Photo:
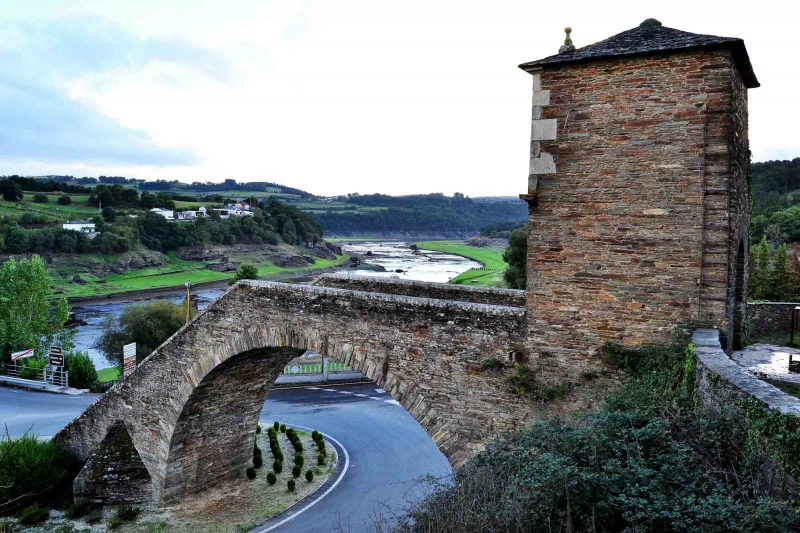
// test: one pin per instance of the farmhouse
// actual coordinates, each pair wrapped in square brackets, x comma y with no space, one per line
[169,214]
[83,226]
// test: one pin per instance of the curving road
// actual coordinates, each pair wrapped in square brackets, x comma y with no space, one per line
[388,451]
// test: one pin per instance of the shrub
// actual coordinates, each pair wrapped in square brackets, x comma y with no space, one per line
[95,517]
[296,471]
[277,466]
[323,452]
[298,460]
[309,475]
[290,485]
[40,198]
[272,478]
[36,467]
[258,429]
[79,509]
[298,446]
[126,513]
[283,428]
[82,373]
[491,363]
[320,445]
[278,455]
[7,526]
[32,368]
[251,473]
[33,514]
[276,426]
[258,459]
[320,459]
[64,200]
[315,435]
[114,523]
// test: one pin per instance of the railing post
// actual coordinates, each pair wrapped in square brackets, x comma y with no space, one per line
[324,368]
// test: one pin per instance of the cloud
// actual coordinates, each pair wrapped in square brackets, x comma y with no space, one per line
[40,120]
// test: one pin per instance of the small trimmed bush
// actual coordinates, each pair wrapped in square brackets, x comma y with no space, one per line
[33,514]
[298,446]
[276,426]
[290,485]
[40,198]
[315,435]
[258,459]
[320,459]
[272,478]
[298,460]
[296,471]
[278,455]
[277,466]
[251,473]
[95,517]
[309,475]
[64,200]
[126,513]
[258,429]
[321,445]
[283,428]
[323,452]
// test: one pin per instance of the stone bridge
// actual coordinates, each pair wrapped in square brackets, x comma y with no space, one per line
[185,420]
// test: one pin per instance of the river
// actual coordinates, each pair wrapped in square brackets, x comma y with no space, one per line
[384,259]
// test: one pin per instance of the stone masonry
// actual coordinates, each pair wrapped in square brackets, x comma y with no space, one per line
[637,191]
[191,407]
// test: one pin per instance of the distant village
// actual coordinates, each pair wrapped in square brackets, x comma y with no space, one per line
[235,209]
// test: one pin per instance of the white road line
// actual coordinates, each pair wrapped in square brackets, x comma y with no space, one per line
[330,489]
[344,392]
[361,395]
[380,391]
[393,402]
[312,388]
[374,398]
[330,390]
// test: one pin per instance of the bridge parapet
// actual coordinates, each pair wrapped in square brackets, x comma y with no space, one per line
[440,291]
[191,406]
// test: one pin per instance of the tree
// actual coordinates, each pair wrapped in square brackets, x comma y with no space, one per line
[26,320]
[148,325]
[10,190]
[516,256]
[109,214]
[246,271]
[40,198]
[64,200]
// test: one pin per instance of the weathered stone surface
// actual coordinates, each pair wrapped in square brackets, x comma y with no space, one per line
[765,318]
[192,405]
[638,230]
[440,291]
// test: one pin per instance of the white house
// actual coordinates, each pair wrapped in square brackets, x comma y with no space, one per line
[232,211]
[191,215]
[83,226]
[166,213]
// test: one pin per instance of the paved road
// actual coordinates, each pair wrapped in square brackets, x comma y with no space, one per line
[388,450]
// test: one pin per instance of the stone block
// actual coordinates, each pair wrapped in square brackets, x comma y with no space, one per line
[544,130]
[544,164]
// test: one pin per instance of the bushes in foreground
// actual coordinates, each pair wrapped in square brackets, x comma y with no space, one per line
[650,460]
[34,471]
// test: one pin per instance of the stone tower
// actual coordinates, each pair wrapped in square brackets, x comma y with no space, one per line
[638,191]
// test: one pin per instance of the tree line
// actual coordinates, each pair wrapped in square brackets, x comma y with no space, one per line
[272,223]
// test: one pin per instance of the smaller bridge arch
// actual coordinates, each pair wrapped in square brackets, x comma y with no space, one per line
[191,407]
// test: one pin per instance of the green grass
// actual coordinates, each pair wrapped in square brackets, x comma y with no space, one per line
[109,374]
[491,258]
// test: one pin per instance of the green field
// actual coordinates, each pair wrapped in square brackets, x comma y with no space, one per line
[492,258]
[109,374]
[173,274]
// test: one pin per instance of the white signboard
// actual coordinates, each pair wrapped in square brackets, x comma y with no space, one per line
[129,359]
[56,356]
[16,356]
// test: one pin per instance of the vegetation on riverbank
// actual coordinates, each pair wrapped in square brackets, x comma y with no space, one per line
[650,460]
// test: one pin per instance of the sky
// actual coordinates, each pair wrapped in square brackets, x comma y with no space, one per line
[329,96]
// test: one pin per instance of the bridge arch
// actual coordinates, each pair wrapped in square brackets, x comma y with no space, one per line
[191,407]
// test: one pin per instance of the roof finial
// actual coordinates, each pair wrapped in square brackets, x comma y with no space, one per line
[567,46]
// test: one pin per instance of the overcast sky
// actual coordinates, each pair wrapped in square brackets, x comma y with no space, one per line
[331,96]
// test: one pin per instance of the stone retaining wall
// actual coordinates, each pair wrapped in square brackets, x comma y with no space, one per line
[419,289]
[765,318]
[719,378]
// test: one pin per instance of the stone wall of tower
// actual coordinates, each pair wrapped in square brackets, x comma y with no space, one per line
[630,231]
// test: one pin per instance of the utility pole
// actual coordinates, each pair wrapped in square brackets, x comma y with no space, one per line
[188,300]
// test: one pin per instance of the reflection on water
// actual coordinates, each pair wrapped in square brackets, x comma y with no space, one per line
[391,256]
[420,266]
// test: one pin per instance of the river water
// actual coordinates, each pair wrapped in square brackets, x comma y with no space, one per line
[384,259]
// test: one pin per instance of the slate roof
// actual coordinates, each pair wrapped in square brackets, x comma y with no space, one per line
[652,37]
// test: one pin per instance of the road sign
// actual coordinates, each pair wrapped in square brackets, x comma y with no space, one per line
[129,359]
[56,356]
[16,356]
